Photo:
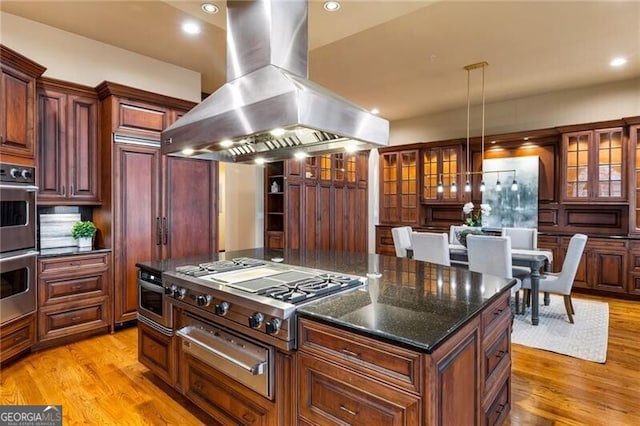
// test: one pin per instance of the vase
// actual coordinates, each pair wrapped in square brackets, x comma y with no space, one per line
[85,243]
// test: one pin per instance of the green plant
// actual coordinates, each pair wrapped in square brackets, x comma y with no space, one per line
[462,235]
[83,229]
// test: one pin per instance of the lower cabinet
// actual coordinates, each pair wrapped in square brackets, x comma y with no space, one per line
[73,297]
[157,352]
[17,336]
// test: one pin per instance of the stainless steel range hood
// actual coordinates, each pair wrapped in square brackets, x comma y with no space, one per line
[267,89]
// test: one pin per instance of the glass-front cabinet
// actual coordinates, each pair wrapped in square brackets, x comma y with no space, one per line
[441,168]
[399,182]
[594,168]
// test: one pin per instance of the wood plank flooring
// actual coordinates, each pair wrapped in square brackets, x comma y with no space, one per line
[99,381]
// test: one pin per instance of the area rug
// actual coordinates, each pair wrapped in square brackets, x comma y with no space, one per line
[585,339]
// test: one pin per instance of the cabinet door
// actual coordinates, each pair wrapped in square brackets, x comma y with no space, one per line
[634,195]
[52,146]
[82,137]
[137,227]
[441,166]
[608,265]
[389,207]
[408,187]
[157,352]
[310,224]
[189,221]
[17,94]
[577,153]
[295,222]
[399,196]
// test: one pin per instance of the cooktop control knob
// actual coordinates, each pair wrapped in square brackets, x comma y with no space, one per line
[14,173]
[180,293]
[273,326]
[255,320]
[168,290]
[204,300]
[26,174]
[222,308]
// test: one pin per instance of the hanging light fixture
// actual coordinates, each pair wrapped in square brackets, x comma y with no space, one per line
[514,184]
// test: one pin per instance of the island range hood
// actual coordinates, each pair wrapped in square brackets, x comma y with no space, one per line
[268,110]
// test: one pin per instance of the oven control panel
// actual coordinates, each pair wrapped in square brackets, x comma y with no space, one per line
[12,173]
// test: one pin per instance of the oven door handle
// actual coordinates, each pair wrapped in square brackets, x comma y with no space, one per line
[255,370]
[27,188]
[20,256]
[151,287]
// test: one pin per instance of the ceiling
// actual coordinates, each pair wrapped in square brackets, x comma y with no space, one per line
[404,57]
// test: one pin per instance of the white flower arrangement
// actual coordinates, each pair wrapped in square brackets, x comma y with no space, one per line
[475,219]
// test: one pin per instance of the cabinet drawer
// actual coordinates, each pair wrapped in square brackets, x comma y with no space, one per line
[330,394]
[499,407]
[391,364]
[65,265]
[17,336]
[496,351]
[140,117]
[228,402]
[494,313]
[69,289]
[157,352]
[64,320]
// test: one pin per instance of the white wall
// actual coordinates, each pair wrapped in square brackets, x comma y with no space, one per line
[594,103]
[243,207]
[71,57]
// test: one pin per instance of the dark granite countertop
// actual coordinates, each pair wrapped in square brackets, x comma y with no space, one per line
[68,251]
[412,303]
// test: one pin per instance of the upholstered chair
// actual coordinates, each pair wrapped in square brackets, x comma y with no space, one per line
[522,238]
[401,239]
[430,247]
[562,282]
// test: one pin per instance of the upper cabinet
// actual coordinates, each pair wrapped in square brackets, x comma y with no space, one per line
[399,187]
[634,182]
[67,140]
[594,169]
[18,100]
[442,165]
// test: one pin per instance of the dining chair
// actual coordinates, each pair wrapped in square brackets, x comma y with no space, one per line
[562,282]
[492,255]
[401,239]
[431,247]
[522,238]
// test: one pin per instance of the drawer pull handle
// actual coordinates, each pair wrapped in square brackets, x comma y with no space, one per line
[343,408]
[497,312]
[249,417]
[501,354]
[75,318]
[198,386]
[18,339]
[501,408]
[350,353]
[76,287]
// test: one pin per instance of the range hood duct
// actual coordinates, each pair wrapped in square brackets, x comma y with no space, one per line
[267,88]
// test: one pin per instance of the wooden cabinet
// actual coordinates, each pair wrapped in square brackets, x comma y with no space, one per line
[67,140]
[18,107]
[399,187]
[348,378]
[154,206]
[634,181]
[17,336]
[73,297]
[157,351]
[442,166]
[594,169]
[324,203]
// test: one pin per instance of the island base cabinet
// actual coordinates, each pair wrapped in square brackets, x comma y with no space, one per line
[228,402]
[157,352]
[331,395]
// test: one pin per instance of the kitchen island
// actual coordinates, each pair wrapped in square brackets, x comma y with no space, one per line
[418,344]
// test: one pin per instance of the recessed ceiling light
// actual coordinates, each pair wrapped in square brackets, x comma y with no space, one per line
[618,62]
[277,132]
[331,6]
[300,155]
[191,27]
[259,161]
[351,148]
[210,8]
[375,111]
[226,143]
[188,151]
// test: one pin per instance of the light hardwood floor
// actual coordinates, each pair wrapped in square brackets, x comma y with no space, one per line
[99,381]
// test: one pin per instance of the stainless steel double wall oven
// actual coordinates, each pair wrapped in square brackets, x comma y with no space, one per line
[17,241]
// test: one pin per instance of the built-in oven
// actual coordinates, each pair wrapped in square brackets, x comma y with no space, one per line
[17,284]
[154,307]
[17,208]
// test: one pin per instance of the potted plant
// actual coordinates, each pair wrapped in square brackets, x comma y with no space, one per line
[83,231]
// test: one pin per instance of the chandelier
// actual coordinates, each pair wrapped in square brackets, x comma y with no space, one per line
[468,173]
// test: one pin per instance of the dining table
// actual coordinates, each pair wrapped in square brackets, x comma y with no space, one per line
[535,260]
